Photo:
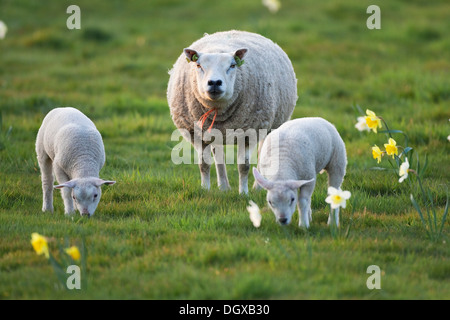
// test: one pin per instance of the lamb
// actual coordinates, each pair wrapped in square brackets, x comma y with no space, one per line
[246,80]
[290,159]
[69,146]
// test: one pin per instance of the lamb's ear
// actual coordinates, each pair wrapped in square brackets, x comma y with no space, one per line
[68,184]
[101,182]
[263,182]
[295,184]
[191,55]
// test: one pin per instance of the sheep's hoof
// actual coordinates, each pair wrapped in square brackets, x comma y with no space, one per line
[224,187]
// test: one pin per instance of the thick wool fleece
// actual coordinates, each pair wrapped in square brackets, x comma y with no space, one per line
[72,142]
[304,147]
[265,91]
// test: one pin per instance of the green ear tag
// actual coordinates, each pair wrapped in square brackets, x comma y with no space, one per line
[239,62]
[194,57]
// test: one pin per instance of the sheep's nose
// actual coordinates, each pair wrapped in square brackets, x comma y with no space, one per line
[215,83]
[283,220]
[85,214]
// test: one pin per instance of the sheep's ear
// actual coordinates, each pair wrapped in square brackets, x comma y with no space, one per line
[263,182]
[240,53]
[239,56]
[68,184]
[100,182]
[295,184]
[191,55]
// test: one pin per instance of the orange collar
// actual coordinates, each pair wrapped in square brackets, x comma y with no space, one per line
[203,118]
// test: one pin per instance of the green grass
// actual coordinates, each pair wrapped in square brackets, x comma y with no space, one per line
[156,234]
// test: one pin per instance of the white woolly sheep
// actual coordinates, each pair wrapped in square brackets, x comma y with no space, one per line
[69,146]
[258,94]
[290,159]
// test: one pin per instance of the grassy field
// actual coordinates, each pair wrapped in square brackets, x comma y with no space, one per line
[156,234]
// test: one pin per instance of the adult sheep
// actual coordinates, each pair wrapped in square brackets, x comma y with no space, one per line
[215,86]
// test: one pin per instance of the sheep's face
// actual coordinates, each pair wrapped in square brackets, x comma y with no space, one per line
[216,73]
[86,193]
[282,200]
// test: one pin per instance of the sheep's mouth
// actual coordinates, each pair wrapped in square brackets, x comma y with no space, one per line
[215,94]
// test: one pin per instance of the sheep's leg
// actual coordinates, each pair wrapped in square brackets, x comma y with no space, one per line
[204,158]
[66,193]
[256,185]
[45,163]
[222,178]
[243,168]
[304,204]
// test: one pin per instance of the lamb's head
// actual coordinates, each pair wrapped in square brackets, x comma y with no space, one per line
[86,193]
[216,73]
[281,196]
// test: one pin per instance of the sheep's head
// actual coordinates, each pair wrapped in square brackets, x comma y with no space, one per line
[86,193]
[216,72]
[282,196]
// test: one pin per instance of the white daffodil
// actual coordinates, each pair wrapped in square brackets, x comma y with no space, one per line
[3,29]
[362,124]
[272,5]
[255,215]
[404,169]
[337,198]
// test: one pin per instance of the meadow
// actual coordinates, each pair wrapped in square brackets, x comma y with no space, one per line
[156,234]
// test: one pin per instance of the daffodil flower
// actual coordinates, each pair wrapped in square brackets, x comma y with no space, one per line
[391,148]
[3,30]
[272,5]
[404,169]
[39,244]
[362,124]
[255,215]
[377,153]
[372,121]
[74,253]
[337,198]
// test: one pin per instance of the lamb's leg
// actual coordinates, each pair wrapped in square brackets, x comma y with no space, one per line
[304,204]
[222,178]
[45,163]
[335,178]
[243,168]
[66,193]
[204,158]
[336,217]
[256,185]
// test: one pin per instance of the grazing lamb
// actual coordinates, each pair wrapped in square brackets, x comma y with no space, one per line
[290,159]
[69,145]
[217,88]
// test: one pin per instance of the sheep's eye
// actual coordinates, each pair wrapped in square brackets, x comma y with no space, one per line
[95,196]
[270,202]
[73,197]
[233,66]
[198,65]
[292,200]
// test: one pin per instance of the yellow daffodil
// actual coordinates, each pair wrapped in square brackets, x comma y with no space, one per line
[372,121]
[39,244]
[391,148]
[337,198]
[404,169]
[74,253]
[377,153]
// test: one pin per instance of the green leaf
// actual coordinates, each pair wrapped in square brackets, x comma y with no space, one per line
[390,131]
